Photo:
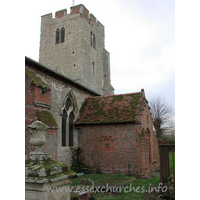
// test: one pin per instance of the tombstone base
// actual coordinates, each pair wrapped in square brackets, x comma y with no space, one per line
[53,189]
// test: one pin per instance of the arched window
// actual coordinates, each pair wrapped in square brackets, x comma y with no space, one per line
[93,67]
[71,129]
[68,117]
[57,35]
[68,103]
[62,35]
[64,126]
[92,40]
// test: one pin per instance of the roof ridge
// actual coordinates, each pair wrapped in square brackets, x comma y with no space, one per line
[96,97]
[38,66]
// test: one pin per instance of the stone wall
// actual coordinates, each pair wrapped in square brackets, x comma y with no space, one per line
[51,101]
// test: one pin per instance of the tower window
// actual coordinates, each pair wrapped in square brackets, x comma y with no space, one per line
[93,68]
[62,34]
[57,36]
[92,40]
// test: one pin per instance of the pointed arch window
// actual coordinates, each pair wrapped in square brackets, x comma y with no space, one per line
[93,68]
[57,35]
[68,118]
[71,129]
[64,126]
[62,34]
[92,40]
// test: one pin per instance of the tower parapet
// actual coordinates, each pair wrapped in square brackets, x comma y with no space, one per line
[61,13]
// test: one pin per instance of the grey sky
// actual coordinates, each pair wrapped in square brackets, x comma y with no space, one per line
[139,34]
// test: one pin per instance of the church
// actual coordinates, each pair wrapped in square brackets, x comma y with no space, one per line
[70,90]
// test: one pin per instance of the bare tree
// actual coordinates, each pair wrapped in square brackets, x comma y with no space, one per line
[162,114]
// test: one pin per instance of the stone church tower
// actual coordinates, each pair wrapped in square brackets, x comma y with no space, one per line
[73,45]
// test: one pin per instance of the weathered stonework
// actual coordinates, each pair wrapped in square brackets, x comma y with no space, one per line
[41,189]
[51,101]
[75,57]
[43,175]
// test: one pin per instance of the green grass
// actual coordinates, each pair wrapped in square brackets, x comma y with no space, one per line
[170,162]
[134,190]
[139,186]
[95,178]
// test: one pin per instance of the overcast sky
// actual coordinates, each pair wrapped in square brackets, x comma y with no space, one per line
[139,34]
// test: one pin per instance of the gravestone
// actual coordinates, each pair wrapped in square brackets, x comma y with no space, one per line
[45,178]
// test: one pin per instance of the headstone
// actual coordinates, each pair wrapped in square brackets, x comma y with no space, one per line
[45,178]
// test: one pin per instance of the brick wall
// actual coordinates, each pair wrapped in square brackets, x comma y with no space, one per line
[29,112]
[61,13]
[122,148]
[43,98]
[115,148]
[80,9]
[35,100]
[151,141]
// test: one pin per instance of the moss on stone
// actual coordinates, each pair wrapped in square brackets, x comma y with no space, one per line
[70,173]
[48,164]
[36,80]
[46,117]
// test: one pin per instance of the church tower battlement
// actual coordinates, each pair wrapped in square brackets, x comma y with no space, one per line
[74,46]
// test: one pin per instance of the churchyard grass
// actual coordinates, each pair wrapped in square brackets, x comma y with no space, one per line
[171,162]
[139,186]
[134,183]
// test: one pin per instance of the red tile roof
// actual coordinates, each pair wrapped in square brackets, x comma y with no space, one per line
[110,109]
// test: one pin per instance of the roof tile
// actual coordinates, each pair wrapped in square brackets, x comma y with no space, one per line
[110,109]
